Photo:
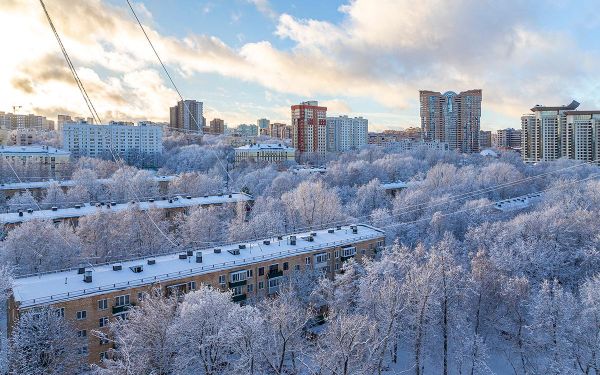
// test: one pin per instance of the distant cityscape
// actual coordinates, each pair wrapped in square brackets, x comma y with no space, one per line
[449,121]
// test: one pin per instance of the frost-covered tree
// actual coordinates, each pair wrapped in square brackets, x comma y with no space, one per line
[22,201]
[43,342]
[39,246]
[312,205]
[203,227]
[55,197]
[196,185]
[143,344]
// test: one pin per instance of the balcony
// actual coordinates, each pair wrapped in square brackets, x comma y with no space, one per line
[237,283]
[121,309]
[239,298]
[274,273]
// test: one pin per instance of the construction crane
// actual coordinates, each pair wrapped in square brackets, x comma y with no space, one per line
[15,107]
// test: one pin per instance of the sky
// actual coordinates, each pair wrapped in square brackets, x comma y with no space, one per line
[248,59]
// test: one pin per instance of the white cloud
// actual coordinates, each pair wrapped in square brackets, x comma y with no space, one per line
[383,50]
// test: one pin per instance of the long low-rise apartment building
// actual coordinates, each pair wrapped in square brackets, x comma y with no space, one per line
[38,188]
[90,297]
[170,206]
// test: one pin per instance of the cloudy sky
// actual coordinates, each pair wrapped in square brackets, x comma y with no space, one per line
[247,59]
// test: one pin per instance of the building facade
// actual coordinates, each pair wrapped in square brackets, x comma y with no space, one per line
[126,141]
[265,153]
[247,130]
[263,123]
[63,119]
[550,133]
[48,159]
[217,126]
[507,139]
[91,297]
[452,118]
[279,130]
[485,139]
[309,127]
[187,115]
[13,121]
[345,133]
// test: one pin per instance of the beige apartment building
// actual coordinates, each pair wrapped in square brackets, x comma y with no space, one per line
[91,297]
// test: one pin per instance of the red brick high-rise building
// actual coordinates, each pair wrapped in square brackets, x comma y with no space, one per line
[309,127]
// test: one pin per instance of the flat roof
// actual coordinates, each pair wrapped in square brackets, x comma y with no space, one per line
[42,150]
[574,104]
[518,203]
[593,112]
[394,185]
[87,209]
[64,183]
[266,146]
[68,284]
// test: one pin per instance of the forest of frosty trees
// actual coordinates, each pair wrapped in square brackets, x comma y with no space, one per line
[461,288]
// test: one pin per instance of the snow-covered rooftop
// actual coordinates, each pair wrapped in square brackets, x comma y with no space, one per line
[67,285]
[518,203]
[63,183]
[394,185]
[266,146]
[88,209]
[28,150]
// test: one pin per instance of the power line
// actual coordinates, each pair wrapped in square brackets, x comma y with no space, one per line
[173,82]
[95,114]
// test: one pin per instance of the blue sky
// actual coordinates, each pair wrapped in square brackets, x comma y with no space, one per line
[248,59]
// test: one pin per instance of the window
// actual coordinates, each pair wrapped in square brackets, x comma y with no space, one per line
[191,285]
[222,280]
[349,251]
[140,296]
[261,285]
[60,312]
[238,276]
[103,356]
[103,340]
[250,288]
[320,258]
[83,350]
[285,266]
[297,267]
[249,273]
[261,271]
[307,259]
[103,304]
[363,251]
[122,300]
[337,254]
[237,291]
[103,322]
[82,333]
[81,315]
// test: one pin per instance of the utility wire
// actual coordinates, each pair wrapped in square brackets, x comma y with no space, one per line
[173,84]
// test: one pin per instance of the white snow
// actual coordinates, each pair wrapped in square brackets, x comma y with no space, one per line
[266,146]
[87,209]
[64,183]
[394,185]
[68,284]
[518,203]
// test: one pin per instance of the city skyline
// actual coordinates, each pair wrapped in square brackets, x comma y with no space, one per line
[256,66]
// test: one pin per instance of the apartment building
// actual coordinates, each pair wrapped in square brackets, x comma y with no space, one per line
[63,119]
[91,297]
[187,115]
[345,133]
[170,206]
[143,142]
[247,130]
[265,153]
[485,139]
[549,133]
[50,159]
[216,126]
[38,188]
[452,118]
[507,139]
[279,130]
[13,121]
[309,127]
